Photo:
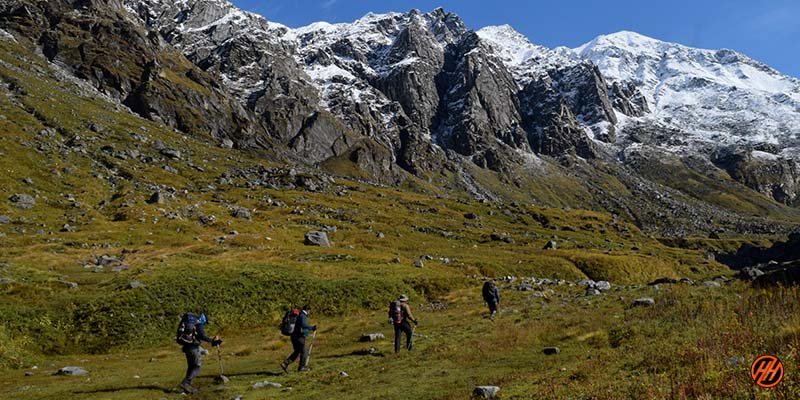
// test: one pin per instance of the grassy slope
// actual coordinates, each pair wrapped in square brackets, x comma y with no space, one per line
[248,278]
[680,348]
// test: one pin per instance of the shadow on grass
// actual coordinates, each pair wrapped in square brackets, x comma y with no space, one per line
[360,353]
[265,373]
[120,389]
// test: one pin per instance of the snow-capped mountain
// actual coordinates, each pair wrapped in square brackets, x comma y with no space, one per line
[713,95]
[421,94]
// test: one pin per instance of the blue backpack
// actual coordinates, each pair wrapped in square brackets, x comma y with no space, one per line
[187,328]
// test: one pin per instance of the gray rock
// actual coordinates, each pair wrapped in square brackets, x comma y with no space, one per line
[592,291]
[486,392]
[644,302]
[551,350]
[317,238]
[420,263]
[241,212]
[7,280]
[588,283]
[135,285]
[266,384]
[72,371]
[343,374]
[4,219]
[550,245]
[372,337]
[171,153]
[23,201]
[67,228]
[226,144]
[602,285]
[28,181]
[749,273]
[711,284]
[524,287]
[156,198]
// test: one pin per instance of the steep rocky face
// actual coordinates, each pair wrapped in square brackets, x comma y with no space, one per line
[478,104]
[764,172]
[553,128]
[628,99]
[98,41]
[586,93]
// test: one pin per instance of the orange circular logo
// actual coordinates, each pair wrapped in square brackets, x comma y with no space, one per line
[767,371]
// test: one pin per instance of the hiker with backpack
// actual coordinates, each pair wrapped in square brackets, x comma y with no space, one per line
[491,295]
[400,317]
[295,324]
[190,334]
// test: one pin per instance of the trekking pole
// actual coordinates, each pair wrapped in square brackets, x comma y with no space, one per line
[221,378]
[311,346]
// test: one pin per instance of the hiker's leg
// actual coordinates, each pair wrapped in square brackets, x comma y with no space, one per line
[409,337]
[192,364]
[397,333]
[297,347]
[303,353]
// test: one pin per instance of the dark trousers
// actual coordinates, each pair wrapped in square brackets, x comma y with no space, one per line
[492,307]
[404,327]
[299,346]
[192,363]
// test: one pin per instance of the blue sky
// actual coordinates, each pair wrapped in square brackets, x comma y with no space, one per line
[768,31]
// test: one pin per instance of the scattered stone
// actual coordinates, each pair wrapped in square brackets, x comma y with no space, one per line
[72,371]
[226,144]
[317,238]
[397,260]
[4,219]
[592,291]
[524,287]
[156,198]
[171,153]
[549,351]
[28,181]
[644,302]
[120,268]
[266,384]
[420,263]
[664,280]
[28,373]
[372,337]
[67,228]
[588,283]
[486,392]
[221,379]
[343,374]
[241,212]
[686,281]
[23,201]
[749,273]
[135,285]
[550,245]
[70,285]
[602,285]
[471,216]
[380,235]
[502,237]
[711,284]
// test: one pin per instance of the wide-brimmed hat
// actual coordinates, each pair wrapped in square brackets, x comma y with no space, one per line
[402,298]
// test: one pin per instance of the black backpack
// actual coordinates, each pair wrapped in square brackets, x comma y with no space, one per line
[288,322]
[187,329]
[396,312]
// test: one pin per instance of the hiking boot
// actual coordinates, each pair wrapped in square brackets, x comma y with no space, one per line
[187,388]
[285,367]
[303,369]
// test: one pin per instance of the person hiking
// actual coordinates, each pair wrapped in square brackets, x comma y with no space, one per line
[190,334]
[491,295]
[298,337]
[400,317]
